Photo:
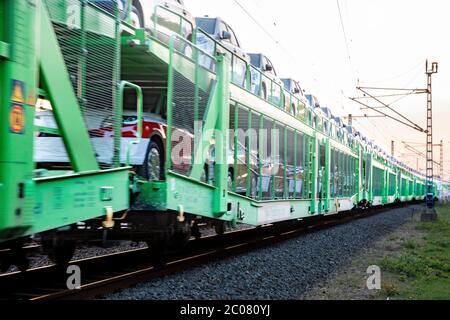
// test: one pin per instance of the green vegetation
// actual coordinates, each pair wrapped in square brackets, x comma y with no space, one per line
[421,270]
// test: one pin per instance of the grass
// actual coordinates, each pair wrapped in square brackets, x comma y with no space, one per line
[421,270]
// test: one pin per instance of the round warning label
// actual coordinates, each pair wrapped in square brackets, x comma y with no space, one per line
[17,119]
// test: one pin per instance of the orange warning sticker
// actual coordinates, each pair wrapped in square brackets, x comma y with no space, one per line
[31,98]
[17,91]
[17,119]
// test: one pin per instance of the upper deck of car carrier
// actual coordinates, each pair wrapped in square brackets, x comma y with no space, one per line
[229,142]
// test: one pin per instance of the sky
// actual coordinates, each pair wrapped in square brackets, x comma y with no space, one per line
[379,43]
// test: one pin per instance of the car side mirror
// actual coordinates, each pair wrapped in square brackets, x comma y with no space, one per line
[268,68]
[226,35]
[296,90]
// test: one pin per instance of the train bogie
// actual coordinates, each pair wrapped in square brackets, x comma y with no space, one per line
[162,138]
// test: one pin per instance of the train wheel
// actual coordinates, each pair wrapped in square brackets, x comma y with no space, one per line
[15,257]
[181,236]
[157,246]
[19,257]
[195,231]
[220,227]
[60,251]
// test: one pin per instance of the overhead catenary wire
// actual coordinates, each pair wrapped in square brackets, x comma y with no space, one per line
[416,66]
[256,22]
[343,31]
[267,32]
[402,94]
[349,56]
[261,26]
[375,126]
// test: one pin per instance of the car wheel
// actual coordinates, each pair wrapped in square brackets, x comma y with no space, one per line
[230,180]
[154,163]
[205,176]
[136,18]
[188,51]
[264,91]
[269,189]
[254,187]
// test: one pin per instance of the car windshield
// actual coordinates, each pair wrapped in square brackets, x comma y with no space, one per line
[255,60]
[206,24]
[287,84]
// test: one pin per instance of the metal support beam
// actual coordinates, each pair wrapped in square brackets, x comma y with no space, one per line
[4,50]
[66,109]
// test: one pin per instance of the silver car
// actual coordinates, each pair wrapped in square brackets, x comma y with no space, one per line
[144,13]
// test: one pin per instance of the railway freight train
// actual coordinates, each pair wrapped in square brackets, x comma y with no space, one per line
[123,120]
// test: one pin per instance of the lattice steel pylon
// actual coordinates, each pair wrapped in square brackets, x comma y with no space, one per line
[429,181]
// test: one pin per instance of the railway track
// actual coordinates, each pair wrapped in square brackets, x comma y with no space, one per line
[113,272]
[7,256]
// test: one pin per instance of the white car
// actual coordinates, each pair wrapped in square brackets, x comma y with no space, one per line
[223,34]
[263,76]
[144,13]
[294,88]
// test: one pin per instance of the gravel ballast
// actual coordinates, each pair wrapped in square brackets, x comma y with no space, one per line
[38,260]
[287,270]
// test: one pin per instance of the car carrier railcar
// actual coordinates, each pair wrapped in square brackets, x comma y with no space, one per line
[151,133]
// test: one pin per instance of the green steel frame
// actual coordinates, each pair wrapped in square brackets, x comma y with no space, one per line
[36,201]
[187,194]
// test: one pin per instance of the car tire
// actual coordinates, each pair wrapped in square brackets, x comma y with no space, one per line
[254,187]
[205,175]
[264,91]
[153,168]
[137,19]
[230,180]
[188,50]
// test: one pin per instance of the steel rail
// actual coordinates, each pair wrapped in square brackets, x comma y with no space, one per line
[106,274]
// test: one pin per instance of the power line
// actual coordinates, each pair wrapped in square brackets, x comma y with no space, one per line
[385,114]
[257,22]
[346,40]
[412,124]
[399,75]
[400,95]
[270,35]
